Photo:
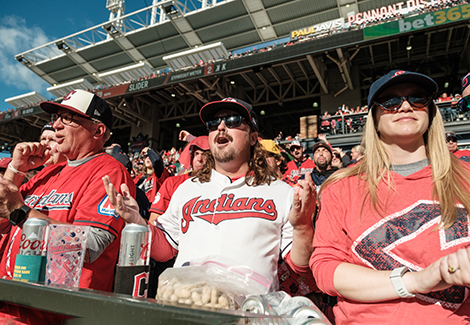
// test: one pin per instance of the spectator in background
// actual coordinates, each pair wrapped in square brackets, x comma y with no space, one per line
[195,153]
[48,139]
[322,156]
[357,153]
[274,157]
[448,113]
[154,173]
[336,160]
[298,167]
[451,141]
[464,102]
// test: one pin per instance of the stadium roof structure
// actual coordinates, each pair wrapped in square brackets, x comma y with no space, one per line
[31,98]
[169,27]
[283,82]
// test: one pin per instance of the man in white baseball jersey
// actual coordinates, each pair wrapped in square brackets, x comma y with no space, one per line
[234,210]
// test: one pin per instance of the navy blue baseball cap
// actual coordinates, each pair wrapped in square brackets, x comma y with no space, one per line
[208,111]
[49,126]
[398,77]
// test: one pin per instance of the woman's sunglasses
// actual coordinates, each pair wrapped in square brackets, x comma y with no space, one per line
[392,104]
[231,121]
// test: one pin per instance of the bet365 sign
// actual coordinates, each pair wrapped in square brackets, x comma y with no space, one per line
[418,22]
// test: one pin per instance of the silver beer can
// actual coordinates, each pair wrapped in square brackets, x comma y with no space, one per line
[135,245]
[257,305]
[34,237]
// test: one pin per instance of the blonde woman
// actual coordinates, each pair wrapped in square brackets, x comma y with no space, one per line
[392,236]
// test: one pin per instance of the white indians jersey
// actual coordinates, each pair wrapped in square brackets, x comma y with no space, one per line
[231,223]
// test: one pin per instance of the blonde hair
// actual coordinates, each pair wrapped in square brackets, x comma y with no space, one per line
[451,182]
[359,148]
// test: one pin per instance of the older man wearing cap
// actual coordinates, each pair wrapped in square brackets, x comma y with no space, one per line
[234,211]
[298,167]
[69,192]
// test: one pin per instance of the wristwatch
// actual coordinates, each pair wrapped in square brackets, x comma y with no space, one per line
[397,282]
[18,216]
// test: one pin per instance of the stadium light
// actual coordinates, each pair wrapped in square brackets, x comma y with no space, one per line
[63,46]
[21,59]
[111,29]
[446,85]
[262,112]
[408,48]
[315,104]
[170,9]
[232,82]
[178,125]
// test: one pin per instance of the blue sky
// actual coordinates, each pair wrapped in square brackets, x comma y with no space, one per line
[28,24]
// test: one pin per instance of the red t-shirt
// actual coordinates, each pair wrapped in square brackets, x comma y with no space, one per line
[76,195]
[163,197]
[406,235]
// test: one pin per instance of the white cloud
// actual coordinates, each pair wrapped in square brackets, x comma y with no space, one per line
[17,37]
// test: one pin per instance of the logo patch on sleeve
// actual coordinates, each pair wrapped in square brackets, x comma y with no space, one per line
[105,208]
[157,198]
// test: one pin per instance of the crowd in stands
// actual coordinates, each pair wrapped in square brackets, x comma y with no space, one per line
[222,190]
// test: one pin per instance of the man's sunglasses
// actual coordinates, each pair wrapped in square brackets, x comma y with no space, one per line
[231,121]
[464,104]
[392,104]
[449,139]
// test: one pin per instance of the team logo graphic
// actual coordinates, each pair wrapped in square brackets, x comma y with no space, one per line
[105,208]
[157,198]
[70,94]
[398,73]
[227,207]
[51,201]
[465,158]
[140,284]
[378,246]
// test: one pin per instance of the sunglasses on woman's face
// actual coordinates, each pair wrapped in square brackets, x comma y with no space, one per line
[231,121]
[392,104]
[464,104]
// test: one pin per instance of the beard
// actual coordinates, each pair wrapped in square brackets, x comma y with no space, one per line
[323,164]
[226,154]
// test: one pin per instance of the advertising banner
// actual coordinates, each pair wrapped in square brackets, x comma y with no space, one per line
[426,20]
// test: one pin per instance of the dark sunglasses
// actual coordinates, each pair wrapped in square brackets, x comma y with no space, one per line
[67,118]
[231,121]
[392,104]
[143,156]
[453,139]
[464,104]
